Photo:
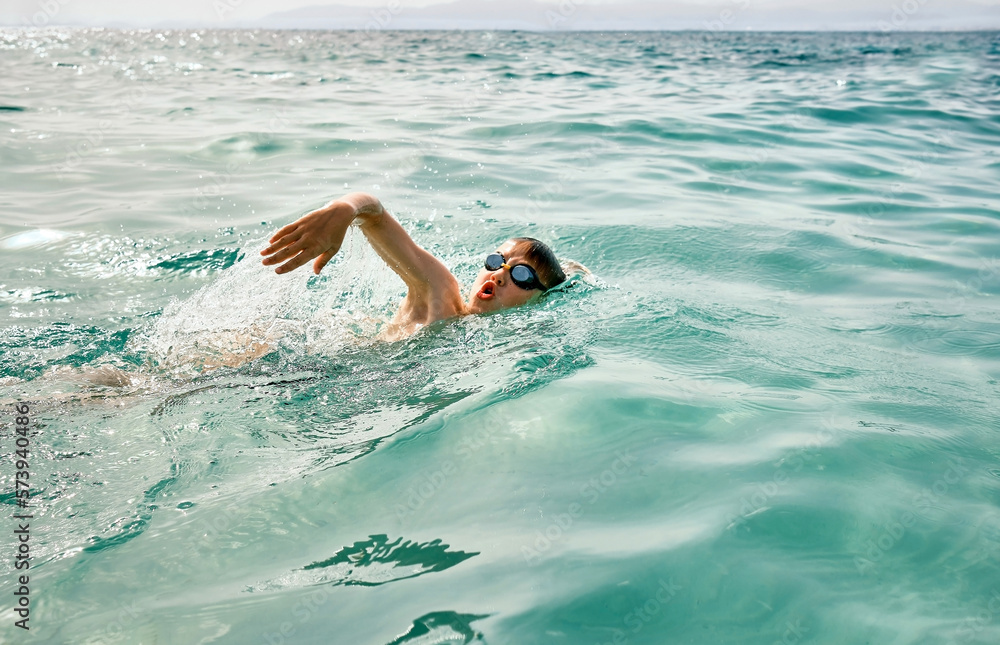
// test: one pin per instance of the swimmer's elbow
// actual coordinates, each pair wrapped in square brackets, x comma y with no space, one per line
[366,206]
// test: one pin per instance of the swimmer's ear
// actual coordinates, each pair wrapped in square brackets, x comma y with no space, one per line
[565,285]
[575,274]
[572,268]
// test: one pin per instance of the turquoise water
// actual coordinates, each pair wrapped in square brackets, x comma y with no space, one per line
[769,416]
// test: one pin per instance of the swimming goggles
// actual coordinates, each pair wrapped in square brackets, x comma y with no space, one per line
[520,274]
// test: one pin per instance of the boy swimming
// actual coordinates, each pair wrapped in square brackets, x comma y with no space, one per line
[518,272]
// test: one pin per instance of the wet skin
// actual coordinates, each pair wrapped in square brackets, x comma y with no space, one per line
[505,293]
[433,292]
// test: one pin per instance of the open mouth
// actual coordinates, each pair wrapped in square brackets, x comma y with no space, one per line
[487,290]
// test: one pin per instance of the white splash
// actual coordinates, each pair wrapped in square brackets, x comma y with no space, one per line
[250,310]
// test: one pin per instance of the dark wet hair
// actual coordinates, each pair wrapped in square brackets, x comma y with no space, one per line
[550,272]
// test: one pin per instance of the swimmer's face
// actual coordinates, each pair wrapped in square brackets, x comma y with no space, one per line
[494,290]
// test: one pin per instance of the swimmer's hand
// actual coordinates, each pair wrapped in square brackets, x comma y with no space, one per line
[318,234]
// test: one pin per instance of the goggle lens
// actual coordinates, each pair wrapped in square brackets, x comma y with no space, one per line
[522,275]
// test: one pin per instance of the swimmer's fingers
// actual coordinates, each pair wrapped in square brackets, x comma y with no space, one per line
[288,229]
[295,262]
[319,233]
[322,260]
[281,243]
[294,242]
[292,250]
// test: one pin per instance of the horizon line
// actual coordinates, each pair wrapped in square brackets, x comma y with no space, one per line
[525,30]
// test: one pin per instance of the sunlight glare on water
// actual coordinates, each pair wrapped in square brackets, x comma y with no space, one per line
[769,415]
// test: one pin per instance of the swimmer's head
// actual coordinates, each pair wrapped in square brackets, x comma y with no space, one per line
[496,288]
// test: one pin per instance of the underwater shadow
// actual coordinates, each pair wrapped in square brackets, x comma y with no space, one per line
[370,563]
[442,627]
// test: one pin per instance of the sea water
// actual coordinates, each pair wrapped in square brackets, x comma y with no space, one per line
[769,414]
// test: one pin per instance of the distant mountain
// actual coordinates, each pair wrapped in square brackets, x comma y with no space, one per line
[462,14]
[633,16]
[534,15]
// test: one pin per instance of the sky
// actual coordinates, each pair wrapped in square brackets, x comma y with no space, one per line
[738,15]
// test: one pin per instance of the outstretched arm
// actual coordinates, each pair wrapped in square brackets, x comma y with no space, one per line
[320,234]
